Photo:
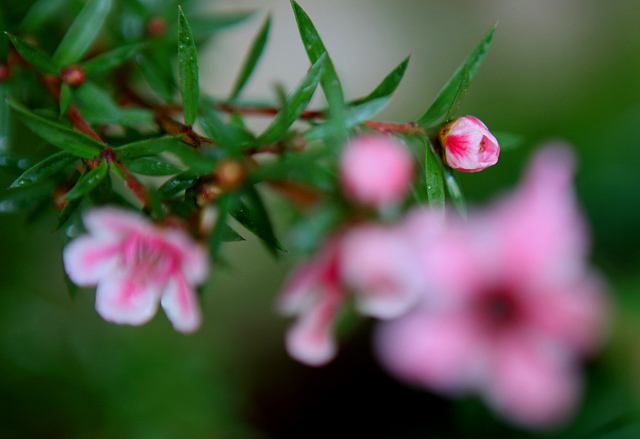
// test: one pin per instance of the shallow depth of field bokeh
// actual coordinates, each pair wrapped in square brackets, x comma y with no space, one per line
[557,69]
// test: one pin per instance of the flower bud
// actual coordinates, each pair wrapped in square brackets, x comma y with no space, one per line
[5,72]
[468,145]
[73,75]
[376,170]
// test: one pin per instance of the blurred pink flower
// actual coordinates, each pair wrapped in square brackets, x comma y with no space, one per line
[376,170]
[468,145]
[511,307]
[136,264]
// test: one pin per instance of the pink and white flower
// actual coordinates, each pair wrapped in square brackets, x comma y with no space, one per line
[468,145]
[512,305]
[376,170]
[136,264]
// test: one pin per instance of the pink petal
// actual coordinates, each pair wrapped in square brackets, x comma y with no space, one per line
[194,257]
[110,222]
[121,299]
[310,340]
[440,351]
[181,305]
[299,288]
[533,383]
[87,260]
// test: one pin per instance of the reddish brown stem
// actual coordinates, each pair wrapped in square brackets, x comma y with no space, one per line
[390,127]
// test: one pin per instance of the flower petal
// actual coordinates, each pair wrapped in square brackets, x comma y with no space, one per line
[310,340]
[440,351]
[181,305]
[120,298]
[532,382]
[110,222]
[87,260]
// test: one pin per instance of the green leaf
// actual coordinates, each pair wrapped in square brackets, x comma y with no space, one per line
[447,95]
[196,162]
[223,205]
[45,169]
[257,47]
[153,166]
[110,60]
[455,191]
[35,56]
[231,137]
[69,208]
[13,165]
[154,205]
[295,104]
[433,177]
[311,230]
[82,32]
[315,49]
[351,117]
[508,141]
[65,98]
[97,106]
[188,68]
[230,235]
[177,184]
[254,217]
[147,147]
[460,94]
[388,85]
[88,181]
[204,25]
[74,142]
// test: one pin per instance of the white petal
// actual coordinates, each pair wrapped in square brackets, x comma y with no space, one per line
[120,299]
[181,305]
[87,260]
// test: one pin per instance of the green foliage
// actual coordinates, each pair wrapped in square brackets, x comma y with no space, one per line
[388,85]
[88,181]
[252,58]
[110,60]
[188,66]
[455,191]
[35,56]
[433,177]
[82,32]
[447,96]
[73,142]
[147,147]
[295,104]
[315,49]
[153,166]
[45,169]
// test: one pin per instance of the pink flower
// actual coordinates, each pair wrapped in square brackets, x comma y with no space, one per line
[376,170]
[370,260]
[136,264]
[512,305]
[468,145]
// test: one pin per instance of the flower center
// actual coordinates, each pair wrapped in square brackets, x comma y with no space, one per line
[499,309]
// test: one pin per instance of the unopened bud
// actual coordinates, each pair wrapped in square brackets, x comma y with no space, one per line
[58,195]
[156,26]
[73,75]
[5,72]
[230,174]
[468,145]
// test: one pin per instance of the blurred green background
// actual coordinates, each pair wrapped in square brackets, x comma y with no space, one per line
[566,69]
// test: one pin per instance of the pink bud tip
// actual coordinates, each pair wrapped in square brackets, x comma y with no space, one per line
[468,145]
[376,170]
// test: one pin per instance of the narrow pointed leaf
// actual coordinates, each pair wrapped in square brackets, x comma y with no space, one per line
[154,204]
[188,68]
[159,76]
[231,137]
[257,47]
[192,159]
[97,106]
[39,12]
[460,95]
[153,166]
[65,98]
[447,95]
[22,200]
[110,60]
[177,184]
[352,117]
[230,235]
[388,85]
[295,104]
[35,56]
[147,147]
[433,178]
[45,169]
[88,181]
[455,191]
[315,49]
[223,205]
[82,32]
[255,218]
[74,142]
